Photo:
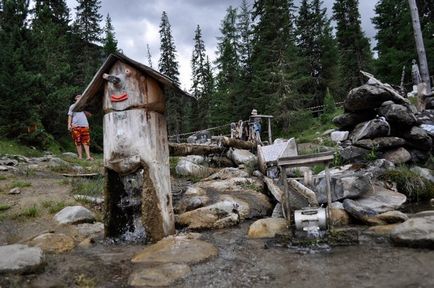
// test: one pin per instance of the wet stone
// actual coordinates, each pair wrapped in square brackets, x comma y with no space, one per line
[74,215]
[19,258]
[268,228]
[416,232]
[176,249]
[160,275]
[52,242]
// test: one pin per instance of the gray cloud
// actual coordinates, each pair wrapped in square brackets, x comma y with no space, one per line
[137,22]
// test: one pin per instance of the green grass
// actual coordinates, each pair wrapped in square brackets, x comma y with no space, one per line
[4,207]
[88,187]
[30,212]
[53,206]
[20,184]
[415,187]
[2,177]
[12,147]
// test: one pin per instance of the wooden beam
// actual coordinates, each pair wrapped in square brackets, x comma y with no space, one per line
[185,149]
[306,160]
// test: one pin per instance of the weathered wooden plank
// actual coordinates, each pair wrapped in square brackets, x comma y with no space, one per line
[306,160]
[304,191]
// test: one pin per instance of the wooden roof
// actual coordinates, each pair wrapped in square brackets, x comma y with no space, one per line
[91,99]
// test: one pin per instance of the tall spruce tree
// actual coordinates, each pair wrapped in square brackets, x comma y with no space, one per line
[395,40]
[222,104]
[148,55]
[17,111]
[200,85]
[354,48]
[49,31]
[273,59]
[243,86]
[87,32]
[316,50]
[168,65]
[109,41]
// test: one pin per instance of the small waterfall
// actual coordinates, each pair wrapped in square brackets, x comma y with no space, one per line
[130,204]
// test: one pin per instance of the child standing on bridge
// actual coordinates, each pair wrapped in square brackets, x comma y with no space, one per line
[79,128]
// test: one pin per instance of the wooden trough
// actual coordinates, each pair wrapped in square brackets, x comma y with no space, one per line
[138,198]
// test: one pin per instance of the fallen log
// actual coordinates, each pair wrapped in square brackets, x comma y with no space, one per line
[234,143]
[185,149]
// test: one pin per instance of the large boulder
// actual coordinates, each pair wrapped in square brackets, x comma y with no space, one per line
[349,120]
[381,143]
[344,186]
[176,249]
[222,203]
[19,258]
[398,115]
[367,97]
[397,156]
[371,129]
[191,166]
[74,215]
[353,154]
[381,200]
[245,157]
[416,232]
[268,228]
[418,138]
[53,242]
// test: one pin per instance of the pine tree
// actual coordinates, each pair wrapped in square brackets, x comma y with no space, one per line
[169,67]
[16,80]
[148,55]
[273,58]
[354,48]
[87,32]
[50,42]
[243,86]
[222,104]
[109,41]
[316,50]
[200,85]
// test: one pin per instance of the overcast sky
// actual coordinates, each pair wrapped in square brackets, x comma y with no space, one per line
[136,24]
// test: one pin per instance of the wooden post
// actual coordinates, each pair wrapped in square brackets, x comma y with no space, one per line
[329,194]
[270,138]
[420,45]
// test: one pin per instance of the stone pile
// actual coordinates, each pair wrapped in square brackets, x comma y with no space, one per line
[380,124]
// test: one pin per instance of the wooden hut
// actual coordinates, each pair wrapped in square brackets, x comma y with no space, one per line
[138,200]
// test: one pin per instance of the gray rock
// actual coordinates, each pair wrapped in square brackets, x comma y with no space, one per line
[428,174]
[69,154]
[397,156]
[353,154]
[429,128]
[416,232]
[55,161]
[8,162]
[381,143]
[3,168]
[339,136]
[337,205]
[418,138]
[392,217]
[398,115]
[349,120]
[371,129]
[367,97]
[418,156]
[15,190]
[346,186]
[201,137]
[90,229]
[227,173]
[379,201]
[19,258]
[186,167]
[74,215]
[86,198]
[245,157]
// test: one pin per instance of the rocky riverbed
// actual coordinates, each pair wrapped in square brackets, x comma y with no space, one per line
[56,238]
